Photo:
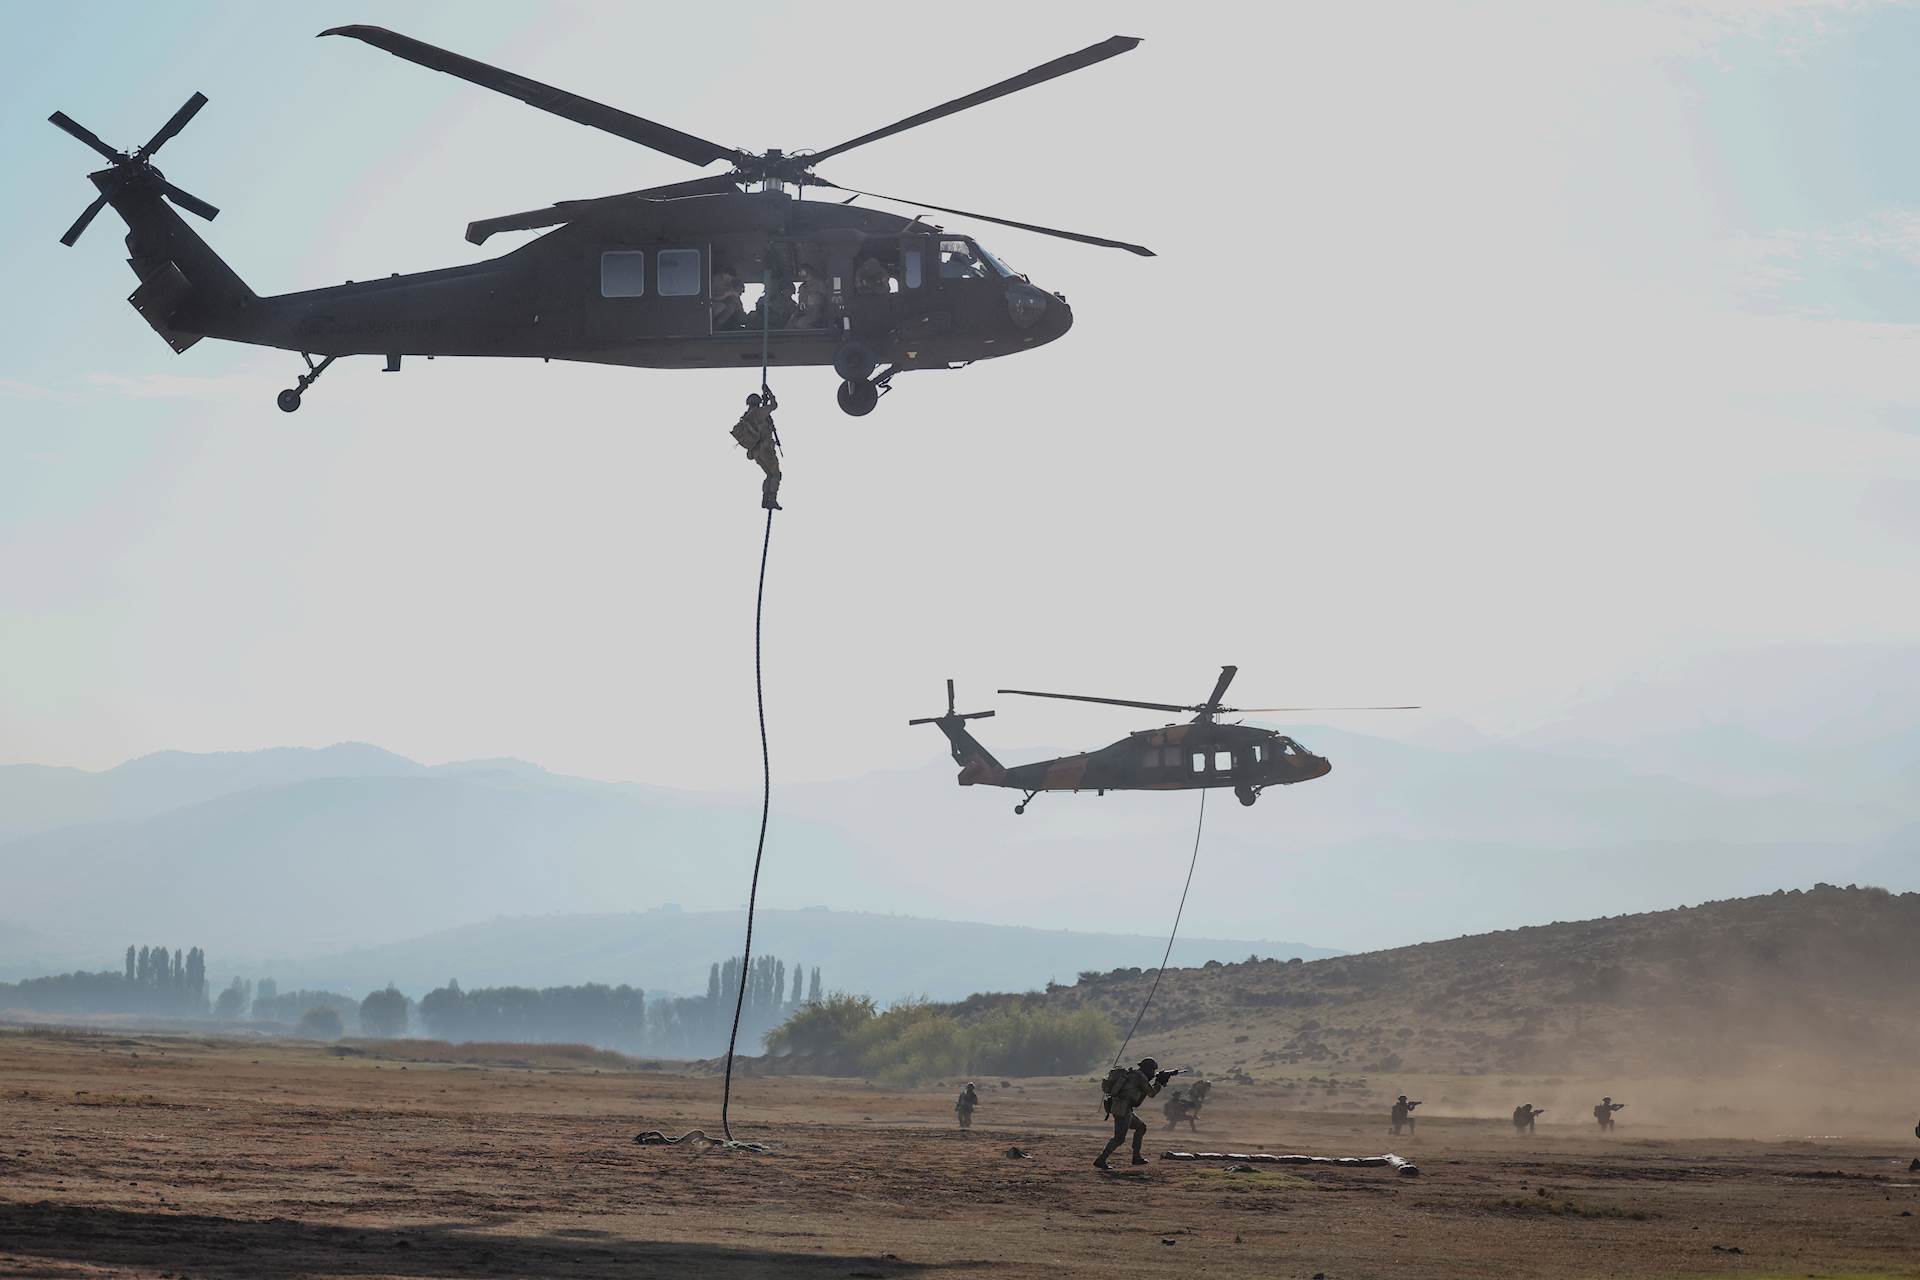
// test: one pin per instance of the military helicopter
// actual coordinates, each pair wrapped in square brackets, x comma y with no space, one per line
[1177,757]
[656,278]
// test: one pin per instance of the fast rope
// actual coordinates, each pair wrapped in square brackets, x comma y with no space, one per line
[766,765]
[1161,971]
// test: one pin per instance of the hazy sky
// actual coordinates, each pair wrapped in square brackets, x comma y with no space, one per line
[1492,353]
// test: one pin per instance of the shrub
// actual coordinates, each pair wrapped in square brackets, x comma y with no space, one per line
[823,1028]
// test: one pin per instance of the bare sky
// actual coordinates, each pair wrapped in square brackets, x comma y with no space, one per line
[1493,354]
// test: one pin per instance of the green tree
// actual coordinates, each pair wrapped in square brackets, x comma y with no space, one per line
[797,976]
[129,962]
[235,1000]
[384,1013]
[813,986]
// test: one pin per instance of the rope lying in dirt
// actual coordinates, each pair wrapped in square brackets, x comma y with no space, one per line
[760,846]
[655,1138]
[1191,863]
[1404,1166]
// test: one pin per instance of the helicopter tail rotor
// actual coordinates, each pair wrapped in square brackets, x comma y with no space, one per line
[950,716]
[977,764]
[127,170]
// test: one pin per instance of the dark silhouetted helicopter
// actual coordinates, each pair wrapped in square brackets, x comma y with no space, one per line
[1178,757]
[656,278]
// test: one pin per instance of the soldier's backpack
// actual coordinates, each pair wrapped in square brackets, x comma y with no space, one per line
[1111,1086]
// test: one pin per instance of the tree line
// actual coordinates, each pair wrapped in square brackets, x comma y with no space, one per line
[158,981]
[154,980]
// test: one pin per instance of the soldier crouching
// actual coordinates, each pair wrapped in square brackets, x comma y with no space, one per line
[1126,1089]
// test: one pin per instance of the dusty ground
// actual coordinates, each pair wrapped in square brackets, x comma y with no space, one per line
[142,1156]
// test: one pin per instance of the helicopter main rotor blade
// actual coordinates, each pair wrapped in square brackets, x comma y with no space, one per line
[190,202]
[173,126]
[66,123]
[1220,687]
[80,223]
[564,211]
[569,106]
[1141,250]
[1252,710]
[1086,57]
[1112,702]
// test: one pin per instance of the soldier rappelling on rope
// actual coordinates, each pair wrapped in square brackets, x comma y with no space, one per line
[756,434]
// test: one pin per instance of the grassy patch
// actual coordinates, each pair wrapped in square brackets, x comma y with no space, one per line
[493,1054]
[1546,1205]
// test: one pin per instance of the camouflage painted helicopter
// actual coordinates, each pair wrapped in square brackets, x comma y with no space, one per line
[1177,757]
[657,278]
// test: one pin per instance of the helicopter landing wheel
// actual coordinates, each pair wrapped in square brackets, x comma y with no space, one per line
[288,400]
[1247,795]
[854,362]
[1020,808]
[858,398]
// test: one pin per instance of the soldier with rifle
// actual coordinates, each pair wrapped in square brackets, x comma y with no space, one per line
[1185,1105]
[1524,1115]
[1125,1089]
[1603,1112]
[1403,1114]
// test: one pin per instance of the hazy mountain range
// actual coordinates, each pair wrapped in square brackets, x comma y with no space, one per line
[1802,767]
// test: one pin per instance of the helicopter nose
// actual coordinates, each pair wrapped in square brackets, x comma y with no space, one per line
[1321,767]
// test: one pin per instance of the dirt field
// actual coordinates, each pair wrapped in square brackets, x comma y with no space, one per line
[144,1156]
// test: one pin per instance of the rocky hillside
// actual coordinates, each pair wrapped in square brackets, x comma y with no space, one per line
[1791,980]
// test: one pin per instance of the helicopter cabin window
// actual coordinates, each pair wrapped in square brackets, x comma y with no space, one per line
[678,273]
[959,262]
[910,261]
[1171,756]
[623,273]
[1259,753]
[1223,762]
[1199,762]
[1152,759]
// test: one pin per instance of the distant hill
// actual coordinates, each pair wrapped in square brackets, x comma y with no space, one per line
[1822,978]
[887,957]
[1627,803]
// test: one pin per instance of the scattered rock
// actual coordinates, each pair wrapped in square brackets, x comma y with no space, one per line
[1239,1168]
[1728,1248]
[1015,1153]
[1168,1240]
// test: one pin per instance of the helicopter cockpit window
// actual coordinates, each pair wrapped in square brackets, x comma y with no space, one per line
[959,262]
[910,260]
[1152,759]
[623,273]
[678,273]
[994,260]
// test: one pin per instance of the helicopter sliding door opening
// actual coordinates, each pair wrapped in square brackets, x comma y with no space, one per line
[792,287]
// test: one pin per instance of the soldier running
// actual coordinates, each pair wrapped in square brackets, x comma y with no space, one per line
[1603,1112]
[1126,1088]
[1403,1114]
[964,1105]
[756,434]
[1524,1115]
